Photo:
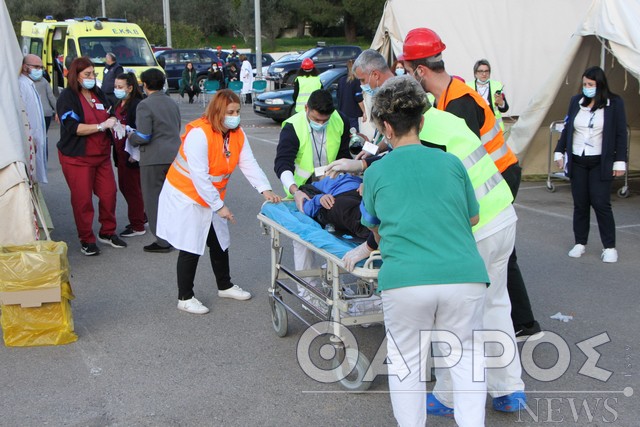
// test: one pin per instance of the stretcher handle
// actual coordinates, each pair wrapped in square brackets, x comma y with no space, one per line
[374,256]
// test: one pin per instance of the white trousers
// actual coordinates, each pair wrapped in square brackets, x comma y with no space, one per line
[303,258]
[495,251]
[456,308]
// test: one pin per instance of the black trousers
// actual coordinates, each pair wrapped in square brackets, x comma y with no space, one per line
[589,190]
[345,214]
[521,312]
[188,263]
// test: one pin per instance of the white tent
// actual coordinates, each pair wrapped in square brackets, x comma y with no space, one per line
[520,38]
[17,201]
[608,36]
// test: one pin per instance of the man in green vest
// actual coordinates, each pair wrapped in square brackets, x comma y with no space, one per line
[309,140]
[490,90]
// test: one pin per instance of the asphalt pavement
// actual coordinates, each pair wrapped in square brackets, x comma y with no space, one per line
[141,362]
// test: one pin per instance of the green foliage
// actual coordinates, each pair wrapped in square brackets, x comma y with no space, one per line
[197,24]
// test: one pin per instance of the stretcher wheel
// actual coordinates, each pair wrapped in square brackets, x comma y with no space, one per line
[623,192]
[354,380]
[550,187]
[279,318]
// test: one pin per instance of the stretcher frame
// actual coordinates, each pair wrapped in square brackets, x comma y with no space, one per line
[353,363]
[555,128]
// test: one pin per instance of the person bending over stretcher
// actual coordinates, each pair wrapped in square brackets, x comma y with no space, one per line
[334,201]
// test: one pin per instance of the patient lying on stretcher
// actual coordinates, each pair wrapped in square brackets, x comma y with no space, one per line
[336,201]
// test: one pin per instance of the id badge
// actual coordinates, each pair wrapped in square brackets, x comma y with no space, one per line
[319,171]
[370,148]
[99,106]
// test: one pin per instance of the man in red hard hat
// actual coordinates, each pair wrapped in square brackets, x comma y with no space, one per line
[305,83]
[422,56]
[422,53]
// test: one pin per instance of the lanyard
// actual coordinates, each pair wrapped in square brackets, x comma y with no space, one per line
[315,145]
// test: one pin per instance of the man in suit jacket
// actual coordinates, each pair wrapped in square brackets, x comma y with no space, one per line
[158,136]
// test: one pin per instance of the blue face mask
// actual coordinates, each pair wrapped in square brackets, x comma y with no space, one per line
[399,71]
[35,74]
[88,84]
[120,93]
[589,92]
[231,122]
[317,126]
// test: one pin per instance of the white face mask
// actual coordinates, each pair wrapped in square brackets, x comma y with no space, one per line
[231,122]
[399,71]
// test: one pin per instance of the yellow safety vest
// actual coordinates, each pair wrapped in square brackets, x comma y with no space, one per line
[494,86]
[304,159]
[306,86]
[492,192]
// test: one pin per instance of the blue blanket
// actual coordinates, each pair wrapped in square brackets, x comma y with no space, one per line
[287,215]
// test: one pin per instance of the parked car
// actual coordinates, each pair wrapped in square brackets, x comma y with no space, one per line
[278,105]
[173,61]
[267,60]
[324,58]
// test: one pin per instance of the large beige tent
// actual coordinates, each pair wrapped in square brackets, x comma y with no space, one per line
[608,36]
[538,49]
[17,200]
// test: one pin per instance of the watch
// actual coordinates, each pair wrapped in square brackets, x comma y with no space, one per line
[100,128]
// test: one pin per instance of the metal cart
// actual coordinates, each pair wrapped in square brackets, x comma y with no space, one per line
[335,297]
[555,128]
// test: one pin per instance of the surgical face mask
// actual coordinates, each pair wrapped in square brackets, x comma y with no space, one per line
[399,71]
[35,74]
[482,82]
[231,122]
[317,126]
[589,92]
[88,83]
[120,93]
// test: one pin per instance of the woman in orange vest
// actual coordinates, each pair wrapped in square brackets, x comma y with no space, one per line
[192,212]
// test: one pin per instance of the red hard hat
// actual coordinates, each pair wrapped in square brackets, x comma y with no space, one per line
[307,64]
[421,43]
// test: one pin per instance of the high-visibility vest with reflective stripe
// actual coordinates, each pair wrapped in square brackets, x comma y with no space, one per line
[304,159]
[490,134]
[306,86]
[494,86]
[220,166]
[492,192]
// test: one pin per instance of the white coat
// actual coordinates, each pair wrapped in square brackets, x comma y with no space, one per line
[185,223]
[246,76]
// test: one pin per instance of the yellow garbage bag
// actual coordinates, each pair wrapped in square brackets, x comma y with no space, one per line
[30,275]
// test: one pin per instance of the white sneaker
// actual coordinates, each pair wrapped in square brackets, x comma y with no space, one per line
[235,292]
[192,306]
[577,251]
[609,255]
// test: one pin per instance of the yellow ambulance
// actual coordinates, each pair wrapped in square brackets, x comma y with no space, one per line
[58,43]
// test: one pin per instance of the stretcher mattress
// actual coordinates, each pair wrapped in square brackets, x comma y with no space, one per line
[287,215]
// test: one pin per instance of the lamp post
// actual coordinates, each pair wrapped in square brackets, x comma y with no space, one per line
[256,4]
[104,8]
[166,13]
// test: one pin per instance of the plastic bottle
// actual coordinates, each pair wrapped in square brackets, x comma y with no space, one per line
[356,142]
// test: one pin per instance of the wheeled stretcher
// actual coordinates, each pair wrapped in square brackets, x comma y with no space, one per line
[334,296]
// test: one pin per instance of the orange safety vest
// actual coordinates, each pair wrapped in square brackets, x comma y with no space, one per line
[221,165]
[491,134]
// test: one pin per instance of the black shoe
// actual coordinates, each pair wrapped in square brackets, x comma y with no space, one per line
[533,332]
[113,240]
[130,232]
[89,249]
[156,248]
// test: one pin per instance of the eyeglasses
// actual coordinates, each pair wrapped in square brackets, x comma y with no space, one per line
[88,75]
[483,71]
[37,67]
